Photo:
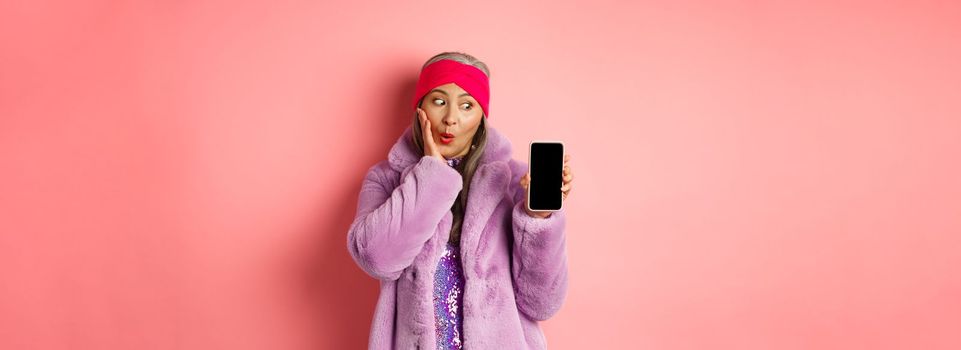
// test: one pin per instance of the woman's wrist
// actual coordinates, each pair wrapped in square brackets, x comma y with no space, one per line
[537,214]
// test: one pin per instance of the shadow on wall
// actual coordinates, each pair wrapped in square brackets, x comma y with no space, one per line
[341,296]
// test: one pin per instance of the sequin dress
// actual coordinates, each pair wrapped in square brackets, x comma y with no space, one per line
[448,294]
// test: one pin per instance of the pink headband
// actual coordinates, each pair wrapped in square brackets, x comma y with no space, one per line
[468,77]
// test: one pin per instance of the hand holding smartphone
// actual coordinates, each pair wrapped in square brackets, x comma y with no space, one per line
[546,160]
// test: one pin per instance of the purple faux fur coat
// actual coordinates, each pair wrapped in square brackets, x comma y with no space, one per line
[515,265]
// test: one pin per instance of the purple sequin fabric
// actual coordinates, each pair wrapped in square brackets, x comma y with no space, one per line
[448,293]
[454,161]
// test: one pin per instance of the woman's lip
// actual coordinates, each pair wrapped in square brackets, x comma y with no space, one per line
[446,138]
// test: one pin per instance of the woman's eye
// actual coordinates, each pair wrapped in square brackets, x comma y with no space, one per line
[467,104]
[439,102]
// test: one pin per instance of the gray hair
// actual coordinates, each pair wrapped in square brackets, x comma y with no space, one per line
[468,166]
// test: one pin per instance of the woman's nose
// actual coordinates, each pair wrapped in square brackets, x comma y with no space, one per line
[450,118]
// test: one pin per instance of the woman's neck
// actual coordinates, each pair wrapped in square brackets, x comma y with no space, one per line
[462,154]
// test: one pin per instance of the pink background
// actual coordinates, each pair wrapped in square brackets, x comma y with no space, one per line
[748,175]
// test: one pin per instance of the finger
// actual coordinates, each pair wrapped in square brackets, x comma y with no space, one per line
[423,122]
[567,157]
[566,188]
[423,130]
[428,135]
[568,178]
[423,118]
[429,144]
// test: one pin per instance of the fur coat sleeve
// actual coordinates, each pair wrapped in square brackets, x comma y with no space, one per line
[539,258]
[395,220]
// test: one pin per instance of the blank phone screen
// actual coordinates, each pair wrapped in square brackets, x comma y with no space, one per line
[547,167]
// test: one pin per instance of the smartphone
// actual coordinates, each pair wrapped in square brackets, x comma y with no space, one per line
[546,160]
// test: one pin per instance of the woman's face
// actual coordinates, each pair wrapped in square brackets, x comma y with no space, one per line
[452,112]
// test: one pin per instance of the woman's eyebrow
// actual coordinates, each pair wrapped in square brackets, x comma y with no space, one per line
[445,93]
